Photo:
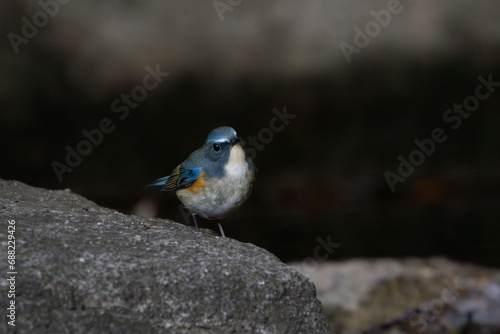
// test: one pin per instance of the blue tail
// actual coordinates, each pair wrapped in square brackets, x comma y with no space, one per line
[158,182]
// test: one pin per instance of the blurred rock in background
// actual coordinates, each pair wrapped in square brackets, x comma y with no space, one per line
[434,295]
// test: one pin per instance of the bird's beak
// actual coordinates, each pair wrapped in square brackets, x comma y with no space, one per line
[236,140]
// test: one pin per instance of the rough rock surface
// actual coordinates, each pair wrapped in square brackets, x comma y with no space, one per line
[433,295]
[86,269]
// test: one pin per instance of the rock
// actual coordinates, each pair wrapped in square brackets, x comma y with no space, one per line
[435,295]
[82,268]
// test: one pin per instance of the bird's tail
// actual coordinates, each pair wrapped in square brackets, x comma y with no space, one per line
[158,182]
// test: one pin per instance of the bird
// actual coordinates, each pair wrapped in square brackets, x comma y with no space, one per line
[214,180]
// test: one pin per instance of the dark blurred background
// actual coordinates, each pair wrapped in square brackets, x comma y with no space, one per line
[63,67]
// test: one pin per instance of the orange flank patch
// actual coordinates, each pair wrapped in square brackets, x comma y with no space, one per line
[198,184]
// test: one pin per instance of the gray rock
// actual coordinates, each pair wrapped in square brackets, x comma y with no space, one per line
[86,269]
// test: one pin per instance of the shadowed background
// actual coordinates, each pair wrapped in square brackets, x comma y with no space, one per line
[323,174]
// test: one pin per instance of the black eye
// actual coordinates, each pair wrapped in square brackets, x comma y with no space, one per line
[216,147]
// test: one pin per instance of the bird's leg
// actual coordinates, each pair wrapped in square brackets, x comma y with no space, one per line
[194,219]
[221,230]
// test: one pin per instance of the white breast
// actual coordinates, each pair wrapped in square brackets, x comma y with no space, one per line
[236,165]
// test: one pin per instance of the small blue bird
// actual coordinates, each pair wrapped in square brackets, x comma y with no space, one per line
[214,180]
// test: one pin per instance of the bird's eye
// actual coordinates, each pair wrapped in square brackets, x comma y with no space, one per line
[216,147]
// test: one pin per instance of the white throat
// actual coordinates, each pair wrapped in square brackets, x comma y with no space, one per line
[236,164]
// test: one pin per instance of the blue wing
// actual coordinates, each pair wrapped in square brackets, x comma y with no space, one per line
[181,177]
[158,182]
